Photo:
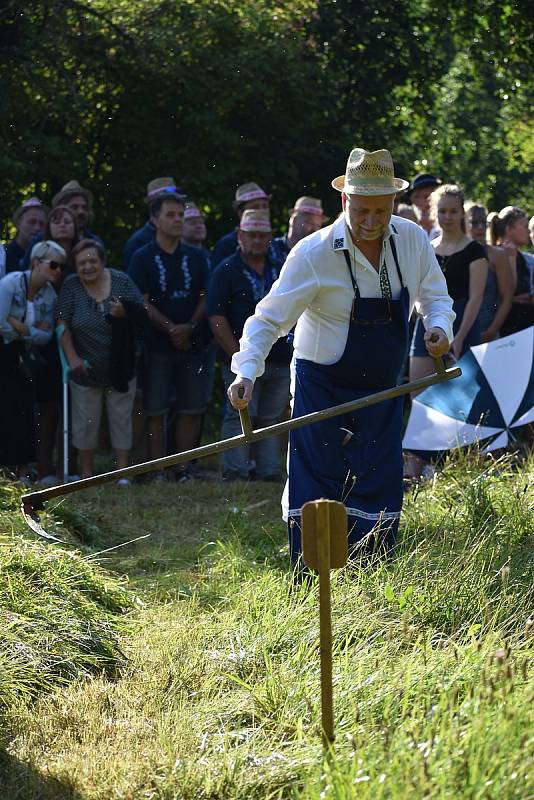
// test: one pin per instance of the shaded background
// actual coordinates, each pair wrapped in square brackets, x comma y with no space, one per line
[116,92]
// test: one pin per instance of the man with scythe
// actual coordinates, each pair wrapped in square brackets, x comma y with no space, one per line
[350,289]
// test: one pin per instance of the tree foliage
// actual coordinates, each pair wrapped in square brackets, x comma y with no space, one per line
[217,92]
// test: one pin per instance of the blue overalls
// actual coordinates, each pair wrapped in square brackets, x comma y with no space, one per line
[355,458]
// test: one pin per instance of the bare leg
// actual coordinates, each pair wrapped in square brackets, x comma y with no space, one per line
[87,462]
[123,458]
[187,433]
[156,437]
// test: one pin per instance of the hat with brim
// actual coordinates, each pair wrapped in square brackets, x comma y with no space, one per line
[249,191]
[254,221]
[72,189]
[33,202]
[369,173]
[192,211]
[422,181]
[161,186]
[309,205]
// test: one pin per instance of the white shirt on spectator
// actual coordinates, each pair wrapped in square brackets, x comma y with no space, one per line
[314,288]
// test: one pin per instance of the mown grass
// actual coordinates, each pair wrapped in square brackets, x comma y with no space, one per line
[218,697]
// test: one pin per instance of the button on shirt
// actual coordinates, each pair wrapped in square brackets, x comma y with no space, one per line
[234,292]
[173,282]
[314,288]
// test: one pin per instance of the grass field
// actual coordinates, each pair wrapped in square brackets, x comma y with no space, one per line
[184,666]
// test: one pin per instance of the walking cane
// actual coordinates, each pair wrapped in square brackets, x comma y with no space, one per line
[325,547]
[65,369]
[33,502]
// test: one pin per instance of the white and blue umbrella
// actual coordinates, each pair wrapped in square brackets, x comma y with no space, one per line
[489,402]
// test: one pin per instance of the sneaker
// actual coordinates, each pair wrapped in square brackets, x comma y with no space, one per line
[124,482]
[49,480]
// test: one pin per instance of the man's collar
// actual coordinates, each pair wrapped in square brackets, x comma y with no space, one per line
[341,235]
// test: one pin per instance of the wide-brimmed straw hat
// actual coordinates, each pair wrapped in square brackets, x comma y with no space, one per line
[249,191]
[255,221]
[309,205]
[161,186]
[32,202]
[369,173]
[72,189]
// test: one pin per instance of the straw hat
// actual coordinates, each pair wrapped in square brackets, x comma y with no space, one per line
[253,221]
[192,211]
[71,189]
[161,186]
[309,205]
[249,191]
[32,202]
[369,174]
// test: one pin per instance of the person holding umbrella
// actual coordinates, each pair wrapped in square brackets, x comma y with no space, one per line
[349,288]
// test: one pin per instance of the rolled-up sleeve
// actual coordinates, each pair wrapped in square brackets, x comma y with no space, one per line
[276,314]
[433,301]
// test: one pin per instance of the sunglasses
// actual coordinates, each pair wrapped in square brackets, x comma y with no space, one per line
[378,321]
[52,264]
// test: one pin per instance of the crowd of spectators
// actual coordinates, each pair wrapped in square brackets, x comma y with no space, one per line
[150,334]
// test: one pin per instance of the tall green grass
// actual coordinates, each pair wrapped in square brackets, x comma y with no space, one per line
[58,612]
[219,697]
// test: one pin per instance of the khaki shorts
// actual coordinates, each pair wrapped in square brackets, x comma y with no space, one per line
[87,403]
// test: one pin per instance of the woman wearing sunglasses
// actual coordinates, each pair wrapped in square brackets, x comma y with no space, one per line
[27,306]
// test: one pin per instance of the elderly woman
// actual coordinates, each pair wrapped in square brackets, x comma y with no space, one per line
[27,306]
[100,308]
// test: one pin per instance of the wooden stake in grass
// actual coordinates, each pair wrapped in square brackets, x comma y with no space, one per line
[325,547]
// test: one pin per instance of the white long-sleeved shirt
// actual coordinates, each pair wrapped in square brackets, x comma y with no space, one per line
[314,291]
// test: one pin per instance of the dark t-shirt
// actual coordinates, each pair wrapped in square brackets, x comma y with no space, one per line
[139,238]
[226,246]
[88,325]
[233,292]
[174,284]
[456,269]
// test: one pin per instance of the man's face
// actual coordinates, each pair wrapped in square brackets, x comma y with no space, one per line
[421,197]
[31,223]
[194,230]
[367,216]
[170,220]
[302,223]
[80,208]
[254,244]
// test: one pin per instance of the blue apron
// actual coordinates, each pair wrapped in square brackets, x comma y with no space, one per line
[355,458]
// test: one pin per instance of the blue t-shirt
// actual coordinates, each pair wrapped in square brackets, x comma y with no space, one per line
[226,246]
[234,291]
[279,249]
[138,239]
[174,283]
